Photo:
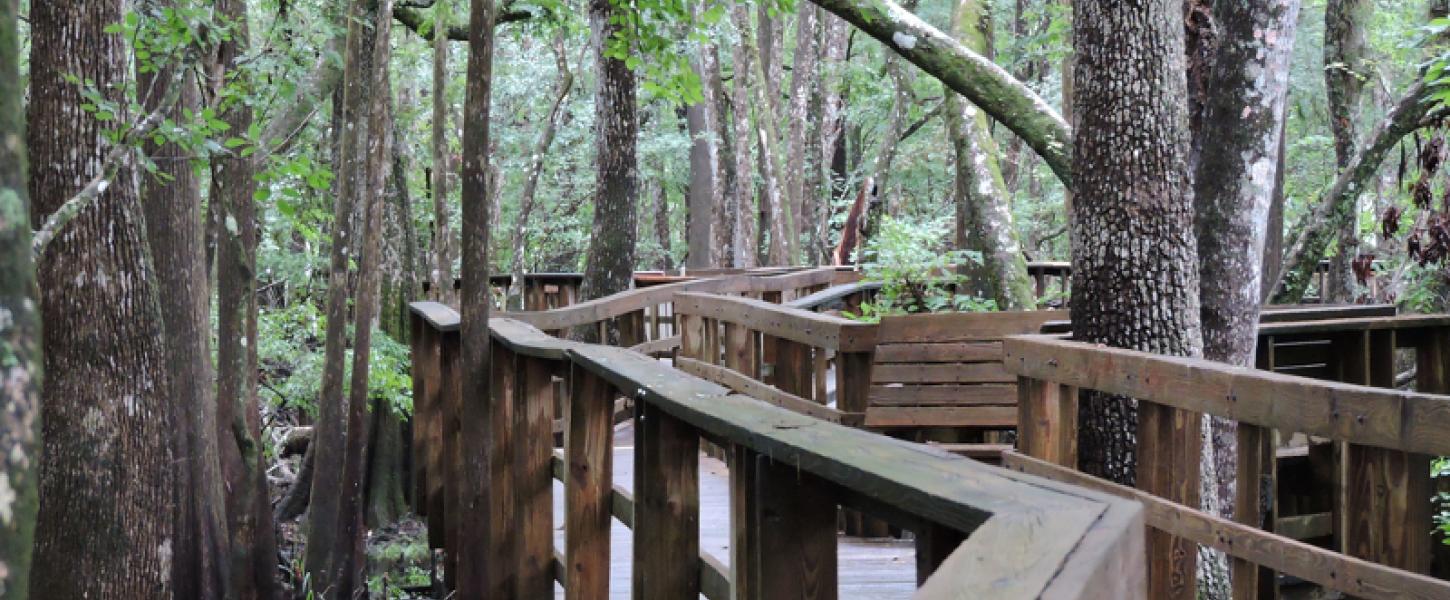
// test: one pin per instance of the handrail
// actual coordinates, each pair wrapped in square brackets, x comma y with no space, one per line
[1356,324]
[609,307]
[833,294]
[797,325]
[1363,415]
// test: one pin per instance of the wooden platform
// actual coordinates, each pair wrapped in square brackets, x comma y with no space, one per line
[869,569]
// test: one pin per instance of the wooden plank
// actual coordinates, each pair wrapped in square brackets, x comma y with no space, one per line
[1305,353]
[833,296]
[821,331]
[941,416]
[1327,568]
[658,347]
[793,370]
[942,373]
[1305,527]
[1357,324]
[666,507]
[741,353]
[440,317]
[1257,478]
[1169,445]
[1047,421]
[934,544]
[714,578]
[452,460]
[947,352]
[745,551]
[588,488]
[1382,418]
[854,371]
[943,395]
[535,480]
[692,337]
[425,364]
[960,327]
[1279,313]
[757,390]
[797,533]
[503,546]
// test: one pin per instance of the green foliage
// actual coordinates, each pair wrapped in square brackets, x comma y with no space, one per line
[290,353]
[1441,468]
[917,271]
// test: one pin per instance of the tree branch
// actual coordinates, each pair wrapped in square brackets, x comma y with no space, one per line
[408,15]
[988,86]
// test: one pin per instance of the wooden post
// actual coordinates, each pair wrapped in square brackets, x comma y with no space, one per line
[535,482]
[744,531]
[503,548]
[1169,445]
[797,533]
[425,367]
[588,488]
[692,337]
[666,506]
[934,543]
[1047,421]
[1255,497]
[740,351]
[853,395]
[451,490]
[793,368]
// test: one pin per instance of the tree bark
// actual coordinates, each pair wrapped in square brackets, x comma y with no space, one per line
[171,199]
[834,40]
[799,163]
[707,192]
[475,580]
[984,209]
[348,555]
[329,440]
[536,169]
[968,73]
[609,267]
[1135,260]
[20,340]
[777,219]
[745,243]
[1345,71]
[106,414]
[442,230]
[1234,189]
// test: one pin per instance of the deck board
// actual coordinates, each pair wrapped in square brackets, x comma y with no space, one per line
[869,569]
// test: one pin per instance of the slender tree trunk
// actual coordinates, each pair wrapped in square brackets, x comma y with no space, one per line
[745,241]
[536,170]
[1234,189]
[706,189]
[609,268]
[779,250]
[799,163]
[251,555]
[901,101]
[20,341]
[442,213]
[721,127]
[984,209]
[348,555]
[107,526]
[171,199]
[1345,71]
[1274,237]
[834,38]
[475,580]
[330,433]
[662,226]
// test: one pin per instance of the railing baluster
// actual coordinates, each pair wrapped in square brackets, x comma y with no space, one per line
[503,548]
[1047,421]
[450,403]
[933,544]
[588,489]
[795,550]
[536,482]
[666,506]
[1169,446]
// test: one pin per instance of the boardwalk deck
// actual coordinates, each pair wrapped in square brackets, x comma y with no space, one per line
[869,569]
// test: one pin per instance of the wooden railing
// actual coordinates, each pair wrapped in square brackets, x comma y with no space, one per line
[1387,437]
[980,532]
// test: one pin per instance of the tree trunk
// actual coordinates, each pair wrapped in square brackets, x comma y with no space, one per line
[706,189]
[1274,238]
[834,39]
[171,199]
[662,226]
[20,341]
[475,581]
[442,231]
[348,555]
[745,241]
[1345,71]
[799,163]
[779,251]
[251,555]
[107,526]
[984,209]
[721,128]
[330,435]
[968,73]
[609,268]
[901,101]
[536,170]
[1132,195]
[1234,189]
[385,475]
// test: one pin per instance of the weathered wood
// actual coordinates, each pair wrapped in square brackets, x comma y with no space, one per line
[1357,324]
[933,545]
[1305,527]
[854,372]
[1256,483]
[1047,421]
[453,456]
[1327,568]
[944,352]
[943,373]
[963,327]
[535,480]
[588,488]
[666,507]
[440,317]
[755,389]
[506,411]
[942,416]
[1382,418]
[944,395]
[793,370]
[797,535]
[1169,445]
[745,551]
[821,331]
[692,337]
[740,351]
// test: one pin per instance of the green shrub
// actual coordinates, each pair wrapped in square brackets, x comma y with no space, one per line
[918,271]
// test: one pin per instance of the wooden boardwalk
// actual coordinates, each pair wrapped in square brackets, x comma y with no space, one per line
[869,569]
